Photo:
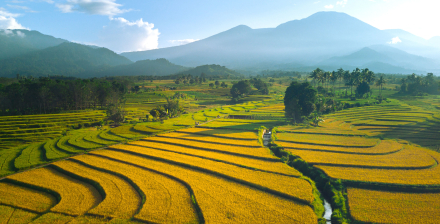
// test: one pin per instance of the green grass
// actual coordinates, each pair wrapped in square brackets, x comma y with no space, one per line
[52,151]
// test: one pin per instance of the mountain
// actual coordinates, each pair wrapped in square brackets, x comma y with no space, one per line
[402,34]
[212,70]
[382,54]
[434,41]
[17,42]
[308,41]
[67,59]
[158,67]
[359,58]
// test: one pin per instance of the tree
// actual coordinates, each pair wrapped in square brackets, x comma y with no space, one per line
[224,85]
[240,88]
[299,100]
[316,75]
[177,82]
[217,83]
[380,83]
[211,85]
[362,89]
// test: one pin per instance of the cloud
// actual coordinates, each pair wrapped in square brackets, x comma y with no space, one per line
[11,33]
[342,3]
[8,21]
[122,35]
[316,2]
[93,7]
[395,40]
[20,7]
[329,6]
[182,42]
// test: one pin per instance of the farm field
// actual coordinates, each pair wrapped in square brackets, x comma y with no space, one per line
[400,165]
[148,181]
[71,142]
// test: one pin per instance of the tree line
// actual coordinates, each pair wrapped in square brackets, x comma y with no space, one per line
[46,95]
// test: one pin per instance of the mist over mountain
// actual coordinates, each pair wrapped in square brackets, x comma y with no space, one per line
[306,42]
[158,67]
[17,42]
[68,59]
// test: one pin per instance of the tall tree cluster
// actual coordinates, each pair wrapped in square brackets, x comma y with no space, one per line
[45,95]
[359,78]
[416,85]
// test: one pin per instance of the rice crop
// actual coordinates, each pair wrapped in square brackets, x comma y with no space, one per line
[94,138]
[195,137]
[233,134]
[55,218]
[373,206]
[166,200]
[121,199]
[26,198]
[384,147]
[5,213]
[78,141]
[394,176]
[32,155]
[272,166]
[224,201]
[62,145]
[7,159]
[110,137]
[76,197]
[407,158]
[288,185]
[21,216]
[52,152]
[327,140]
[238,150]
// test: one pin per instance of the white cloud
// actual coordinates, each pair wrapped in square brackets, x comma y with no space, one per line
[8,21]
[329,6]
[342,3]
[94,7]
[122,35]
[182,42]
[20,7]
[11,33]
[316,2]
[395,40]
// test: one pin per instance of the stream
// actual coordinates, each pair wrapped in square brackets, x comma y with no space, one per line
[328,211]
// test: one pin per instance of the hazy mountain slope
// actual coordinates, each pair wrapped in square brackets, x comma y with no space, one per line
[211,70]
[65,59]
[17,42]
[405,59]
[307,41]
[358,58]
[402,34]
[158,67]
[434,41]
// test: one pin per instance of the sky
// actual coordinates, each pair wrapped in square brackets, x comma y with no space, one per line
[136,25]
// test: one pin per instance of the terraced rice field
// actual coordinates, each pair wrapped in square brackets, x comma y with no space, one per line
[344,148]
[178,177]
[33,128]
[373,206]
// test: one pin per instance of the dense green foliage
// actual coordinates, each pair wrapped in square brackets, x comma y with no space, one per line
[417,85]
[299,100]
[241,88]
[45,95]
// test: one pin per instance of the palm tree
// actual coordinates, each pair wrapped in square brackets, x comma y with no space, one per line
[348,78]
[380,83]
[340,74]
[334,77]
[315,75]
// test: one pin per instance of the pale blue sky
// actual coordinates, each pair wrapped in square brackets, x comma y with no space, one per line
[117,24]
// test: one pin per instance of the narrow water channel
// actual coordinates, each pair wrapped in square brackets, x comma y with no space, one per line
[328,212]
